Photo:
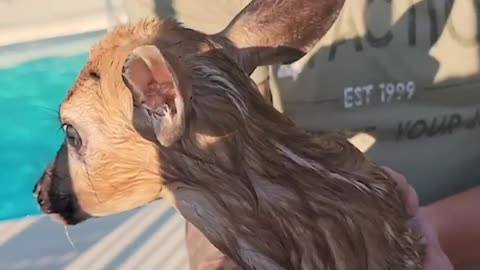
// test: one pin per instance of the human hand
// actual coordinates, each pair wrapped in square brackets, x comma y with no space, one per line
[435,257]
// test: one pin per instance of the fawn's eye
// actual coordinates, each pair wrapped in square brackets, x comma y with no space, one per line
[93,74]
[72,136]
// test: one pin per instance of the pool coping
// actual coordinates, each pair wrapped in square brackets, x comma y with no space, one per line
[65,19]
[65,45]
[19,35]
[63,36]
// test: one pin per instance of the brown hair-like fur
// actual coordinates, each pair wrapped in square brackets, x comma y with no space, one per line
[268,194]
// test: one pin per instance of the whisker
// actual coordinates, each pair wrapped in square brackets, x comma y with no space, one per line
[69,238]
[52,112]
[48,109]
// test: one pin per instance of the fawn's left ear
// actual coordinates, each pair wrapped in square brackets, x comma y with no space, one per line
[268,32]
[156,92]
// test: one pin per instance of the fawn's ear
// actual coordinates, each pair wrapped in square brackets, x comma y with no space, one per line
[156,92]
[269,32]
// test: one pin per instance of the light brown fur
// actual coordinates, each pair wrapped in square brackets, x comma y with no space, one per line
[268,194]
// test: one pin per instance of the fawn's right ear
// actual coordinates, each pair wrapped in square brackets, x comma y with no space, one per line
[269,32]
[156,91]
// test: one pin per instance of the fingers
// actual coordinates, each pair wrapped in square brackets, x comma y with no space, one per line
[408,193]
[435,258]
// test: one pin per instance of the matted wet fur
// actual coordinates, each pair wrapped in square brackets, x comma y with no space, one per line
[161,111]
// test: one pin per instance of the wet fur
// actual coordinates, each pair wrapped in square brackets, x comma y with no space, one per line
[289,198]
[266,193]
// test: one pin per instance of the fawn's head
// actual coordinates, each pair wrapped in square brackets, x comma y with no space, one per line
[145,86]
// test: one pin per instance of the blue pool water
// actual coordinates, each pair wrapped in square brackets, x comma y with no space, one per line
[30,93]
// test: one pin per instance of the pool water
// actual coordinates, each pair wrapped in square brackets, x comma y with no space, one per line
[30,93]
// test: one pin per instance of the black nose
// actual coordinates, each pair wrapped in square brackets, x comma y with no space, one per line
[68,210]
[63,206]
[59,202]
[43,199]
[40,193]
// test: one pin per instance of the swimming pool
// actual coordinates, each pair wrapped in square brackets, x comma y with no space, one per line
[34,78]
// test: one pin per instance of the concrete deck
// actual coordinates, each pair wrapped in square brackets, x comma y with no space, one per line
[151,237]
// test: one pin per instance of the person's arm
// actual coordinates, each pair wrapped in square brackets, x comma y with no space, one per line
[457,222]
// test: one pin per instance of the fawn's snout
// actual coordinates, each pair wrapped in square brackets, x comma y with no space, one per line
[55,196]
